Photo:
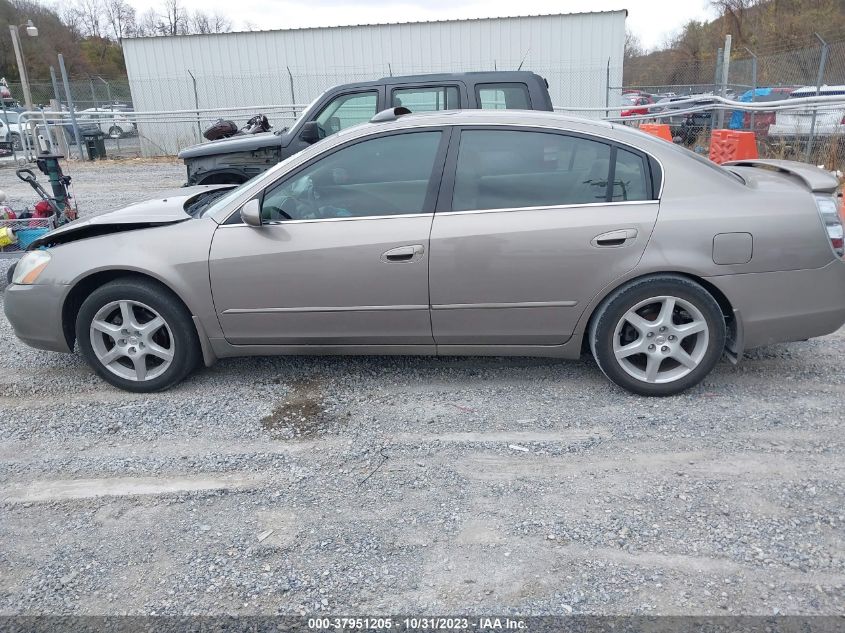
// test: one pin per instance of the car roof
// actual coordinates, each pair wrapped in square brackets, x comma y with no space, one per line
[485,76]
[518,118]
[811,90]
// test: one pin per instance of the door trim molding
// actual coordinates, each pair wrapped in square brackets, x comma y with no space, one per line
[393,308]
[499,306]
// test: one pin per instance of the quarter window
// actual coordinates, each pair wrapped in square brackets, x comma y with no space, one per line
[504,96]
[499,169]
[427,99]
[388,175]
[629,178]
[348,110]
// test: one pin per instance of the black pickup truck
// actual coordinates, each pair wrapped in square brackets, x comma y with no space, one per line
[237,159]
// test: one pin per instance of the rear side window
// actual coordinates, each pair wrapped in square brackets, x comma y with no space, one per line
[500,169]
[503,96]
[427,99]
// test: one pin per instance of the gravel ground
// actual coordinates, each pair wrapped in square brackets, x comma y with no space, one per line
[416,485]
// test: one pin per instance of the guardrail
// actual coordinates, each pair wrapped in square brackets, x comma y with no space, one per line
[706,103]
[33,123]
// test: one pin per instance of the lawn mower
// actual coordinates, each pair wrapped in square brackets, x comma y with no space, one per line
[18,229]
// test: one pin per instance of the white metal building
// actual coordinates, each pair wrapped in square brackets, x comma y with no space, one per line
[580,54]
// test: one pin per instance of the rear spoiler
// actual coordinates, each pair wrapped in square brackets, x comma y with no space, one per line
[816,179]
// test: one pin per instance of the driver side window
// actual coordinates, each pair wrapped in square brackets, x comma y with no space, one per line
[388,175]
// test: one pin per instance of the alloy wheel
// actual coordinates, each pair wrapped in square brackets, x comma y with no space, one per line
[661,339]
[132,340]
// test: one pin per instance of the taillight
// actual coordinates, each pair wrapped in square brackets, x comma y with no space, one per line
[829,213]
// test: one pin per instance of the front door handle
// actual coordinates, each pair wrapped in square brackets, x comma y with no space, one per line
[614,238]
[403,254]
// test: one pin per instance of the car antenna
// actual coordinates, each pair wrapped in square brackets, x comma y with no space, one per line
[528,50]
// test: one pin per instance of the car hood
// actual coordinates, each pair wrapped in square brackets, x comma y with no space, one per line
[168,208]
[245,143]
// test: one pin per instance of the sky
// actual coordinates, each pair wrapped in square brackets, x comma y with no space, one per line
[653,21]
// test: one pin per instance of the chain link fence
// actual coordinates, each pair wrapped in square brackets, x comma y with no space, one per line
[809,134]
[172,112]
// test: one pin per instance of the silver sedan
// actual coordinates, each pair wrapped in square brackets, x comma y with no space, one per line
[458,233]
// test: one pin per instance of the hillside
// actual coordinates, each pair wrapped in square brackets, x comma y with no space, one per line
[770,28]
[83,56]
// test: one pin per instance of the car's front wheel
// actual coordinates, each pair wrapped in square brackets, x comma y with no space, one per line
[137,335]
[17,143]
[115,132]
[658,336]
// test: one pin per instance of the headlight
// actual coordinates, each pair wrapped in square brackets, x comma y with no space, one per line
[30,267]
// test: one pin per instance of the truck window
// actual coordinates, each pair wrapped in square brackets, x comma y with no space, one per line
[510,96]
[347,110]
[427,99]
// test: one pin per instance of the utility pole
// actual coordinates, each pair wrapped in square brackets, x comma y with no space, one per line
[32,31]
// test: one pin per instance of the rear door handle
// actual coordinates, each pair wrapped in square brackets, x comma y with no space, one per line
[403,254]
[614,238]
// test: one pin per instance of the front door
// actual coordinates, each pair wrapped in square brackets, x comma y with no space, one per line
[342,255]
[530,233]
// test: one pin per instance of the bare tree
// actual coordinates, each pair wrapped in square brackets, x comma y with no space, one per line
[90,17]
[633,46]
[120,16]
[175,18]
[735,12]
[70,16]
[204,23]
[148,24]
[220,23]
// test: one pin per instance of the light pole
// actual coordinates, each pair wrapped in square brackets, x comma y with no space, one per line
[32,31]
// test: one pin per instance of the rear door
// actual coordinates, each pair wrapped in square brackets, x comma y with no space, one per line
[527,231]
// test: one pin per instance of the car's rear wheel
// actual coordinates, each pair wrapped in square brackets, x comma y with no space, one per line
[658,336]
[115,132]
[137,335]
[17,143]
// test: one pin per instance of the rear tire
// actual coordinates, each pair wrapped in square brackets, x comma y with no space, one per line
[658,336]
[137,335]
[115,132]
[17,143]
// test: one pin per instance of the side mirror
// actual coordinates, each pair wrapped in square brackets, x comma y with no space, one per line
[251,213]
[312,132]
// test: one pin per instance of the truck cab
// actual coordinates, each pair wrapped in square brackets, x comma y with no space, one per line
[237,159]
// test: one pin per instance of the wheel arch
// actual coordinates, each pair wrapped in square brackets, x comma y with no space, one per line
[732,322]
[89,283]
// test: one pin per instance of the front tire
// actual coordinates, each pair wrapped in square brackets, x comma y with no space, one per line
[137,335]
[658,336]
[17,143]
[115,132]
